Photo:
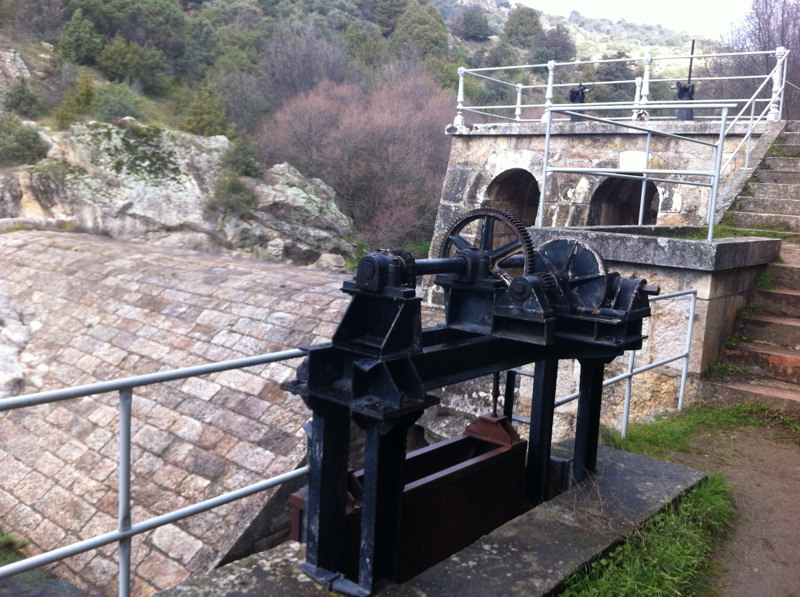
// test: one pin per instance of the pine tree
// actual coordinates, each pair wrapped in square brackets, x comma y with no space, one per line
[206,114]
[79,41]
[522,27]
[387,13]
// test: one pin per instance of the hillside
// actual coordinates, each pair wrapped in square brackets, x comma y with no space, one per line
[302,82]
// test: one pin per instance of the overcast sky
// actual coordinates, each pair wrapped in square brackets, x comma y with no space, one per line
[707,18]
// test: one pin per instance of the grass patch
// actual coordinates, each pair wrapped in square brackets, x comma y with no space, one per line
[778,150]
[735,339]
[765,282]
[671,432]
[724,371]
[668,555]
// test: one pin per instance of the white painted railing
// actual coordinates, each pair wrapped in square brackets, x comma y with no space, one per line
[126,529]
[632,371]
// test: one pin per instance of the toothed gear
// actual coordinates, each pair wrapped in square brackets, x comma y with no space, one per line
[485,237]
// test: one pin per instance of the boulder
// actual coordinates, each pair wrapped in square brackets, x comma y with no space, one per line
[142,183]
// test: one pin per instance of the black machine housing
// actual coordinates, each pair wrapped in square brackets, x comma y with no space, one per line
[506,305]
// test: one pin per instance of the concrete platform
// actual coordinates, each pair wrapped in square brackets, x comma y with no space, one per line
[530,555]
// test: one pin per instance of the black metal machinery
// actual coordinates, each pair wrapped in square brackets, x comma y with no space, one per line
[506,305]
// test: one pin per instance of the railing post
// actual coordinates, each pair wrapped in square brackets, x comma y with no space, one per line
[518,110]
[459,119]
[626,408]
[548,94]
[643,193]
[712,204]
[688,348]
[775,103]
[124,498]
[547,118]
[637,98]
[648,61]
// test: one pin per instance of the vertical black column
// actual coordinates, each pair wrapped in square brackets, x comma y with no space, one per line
[509,393]
[328,448]
[385,452]
[587,428]
[541,432]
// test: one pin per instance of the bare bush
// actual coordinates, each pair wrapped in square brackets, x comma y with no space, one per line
[771,24]
[382,148]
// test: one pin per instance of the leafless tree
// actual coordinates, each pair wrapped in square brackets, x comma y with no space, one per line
[771,24]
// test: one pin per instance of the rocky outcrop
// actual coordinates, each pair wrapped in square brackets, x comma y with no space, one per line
[137,182]
[11,67]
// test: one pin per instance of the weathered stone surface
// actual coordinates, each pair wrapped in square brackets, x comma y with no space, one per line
[78,309]
[11,67]
[143,183]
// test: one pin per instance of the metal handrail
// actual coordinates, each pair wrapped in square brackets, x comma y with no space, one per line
[125,528]
[632,372]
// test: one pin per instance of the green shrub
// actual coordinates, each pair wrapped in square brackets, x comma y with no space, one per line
[205,115]
[21,99]
[115,100]
[79,41]
[232,197]
[81,100]
[242,158]
[19,143]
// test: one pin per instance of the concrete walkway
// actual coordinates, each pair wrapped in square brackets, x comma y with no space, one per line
[530,555]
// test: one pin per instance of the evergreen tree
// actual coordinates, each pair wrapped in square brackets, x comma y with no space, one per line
[201,48]
[366,43]
[81,100]
[205,115]
[387,13]
[474,25]
[522,27]
[420,29]
[19,143]
[115,100]
[124,61]
[79,41]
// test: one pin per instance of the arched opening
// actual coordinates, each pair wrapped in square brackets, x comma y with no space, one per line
[616,203]
[516,192]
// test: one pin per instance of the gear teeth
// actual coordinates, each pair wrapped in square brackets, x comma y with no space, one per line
[512,222]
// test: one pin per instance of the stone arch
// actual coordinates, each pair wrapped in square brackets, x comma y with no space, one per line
[615,202]
[515,191]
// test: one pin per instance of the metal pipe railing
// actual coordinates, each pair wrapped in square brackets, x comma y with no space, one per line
[632,372]
[774,80]
[126,529]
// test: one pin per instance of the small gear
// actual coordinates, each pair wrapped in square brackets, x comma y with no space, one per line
[478,230]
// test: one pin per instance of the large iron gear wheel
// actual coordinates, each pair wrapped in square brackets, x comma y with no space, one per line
[578,266]
[497,233]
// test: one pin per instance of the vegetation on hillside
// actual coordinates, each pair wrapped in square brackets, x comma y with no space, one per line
[355,92]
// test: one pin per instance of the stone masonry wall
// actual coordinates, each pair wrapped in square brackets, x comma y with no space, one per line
[90,309]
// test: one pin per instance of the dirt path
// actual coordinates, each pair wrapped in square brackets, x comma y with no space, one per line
[761,556]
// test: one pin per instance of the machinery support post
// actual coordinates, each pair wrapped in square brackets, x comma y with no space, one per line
[587,427]
[541,429]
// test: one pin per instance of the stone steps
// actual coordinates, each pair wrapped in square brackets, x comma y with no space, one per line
[777,395]
[763,221]
[769,205]
[784,275]
[775,190]
[782,164]
[762,360]
[783,302]
[769,346]
[769,329]
[769,175]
